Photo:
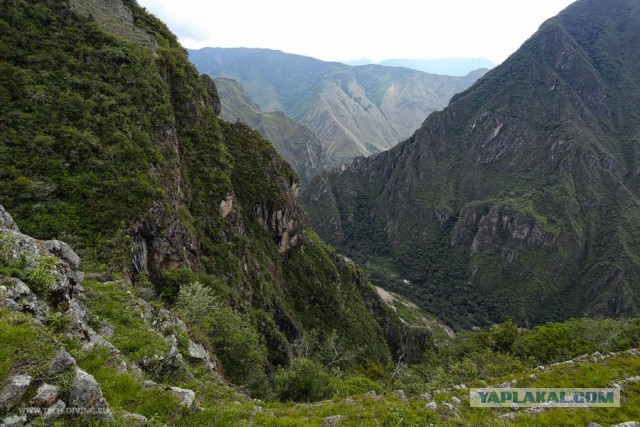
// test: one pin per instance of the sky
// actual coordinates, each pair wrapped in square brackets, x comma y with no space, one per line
[338,30]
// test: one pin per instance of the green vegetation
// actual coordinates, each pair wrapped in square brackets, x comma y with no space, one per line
[26,347]
[117,150]
[233,339]
[295,142]
[112,303]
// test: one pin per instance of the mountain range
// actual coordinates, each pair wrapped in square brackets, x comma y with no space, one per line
[445,66]
[157,269]
[520,199]
[354,111]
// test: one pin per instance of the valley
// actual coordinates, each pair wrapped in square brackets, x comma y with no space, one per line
[261,238]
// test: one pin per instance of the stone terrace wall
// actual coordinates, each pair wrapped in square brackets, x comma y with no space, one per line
[115,18]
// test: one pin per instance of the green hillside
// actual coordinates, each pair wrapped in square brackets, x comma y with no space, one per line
[116,149]
[295,142]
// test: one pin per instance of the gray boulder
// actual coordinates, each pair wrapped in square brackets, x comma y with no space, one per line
[46,395]
[6,222]
[185,396]
[86,393]
[61,362]
[14,421]
[134,419]
[14,391]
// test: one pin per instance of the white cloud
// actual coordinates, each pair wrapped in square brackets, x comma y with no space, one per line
[347,29]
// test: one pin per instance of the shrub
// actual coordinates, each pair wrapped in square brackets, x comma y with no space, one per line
[39,277]
[555,342]
[239,347]
[303,381]
[196,299]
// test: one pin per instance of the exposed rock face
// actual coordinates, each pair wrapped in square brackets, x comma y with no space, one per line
[283,224]
[86,393]
[115,18]
[63,290]
[212,89]
[6,222]
[14,391]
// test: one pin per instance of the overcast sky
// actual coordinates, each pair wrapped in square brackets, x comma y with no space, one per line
[336,30]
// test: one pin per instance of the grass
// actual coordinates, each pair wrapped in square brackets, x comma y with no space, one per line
[113,303]
[26,346]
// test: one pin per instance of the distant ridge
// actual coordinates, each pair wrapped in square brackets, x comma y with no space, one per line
[443,66]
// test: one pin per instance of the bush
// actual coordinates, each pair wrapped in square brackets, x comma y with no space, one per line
[504,335]
[239,347]
[555,342]
[303,381]
[355,385]
[196,299]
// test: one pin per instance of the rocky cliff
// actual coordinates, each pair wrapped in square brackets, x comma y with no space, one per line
[528,176]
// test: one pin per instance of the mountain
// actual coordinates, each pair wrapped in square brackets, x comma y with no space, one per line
[354,111]
[295,142]
[444,66]
[111,142]
[520,199]
[193,292]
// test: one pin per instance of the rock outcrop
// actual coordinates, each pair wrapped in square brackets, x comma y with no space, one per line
[62,293]
[115,18]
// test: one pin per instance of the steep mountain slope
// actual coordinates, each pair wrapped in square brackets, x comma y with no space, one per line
[354,111]
[115,147]
[295,142]
[520,199]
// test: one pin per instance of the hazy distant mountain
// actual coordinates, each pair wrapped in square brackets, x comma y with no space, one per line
[521,199]
[445,66]
[354,111]
[361,61]
[295,142]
